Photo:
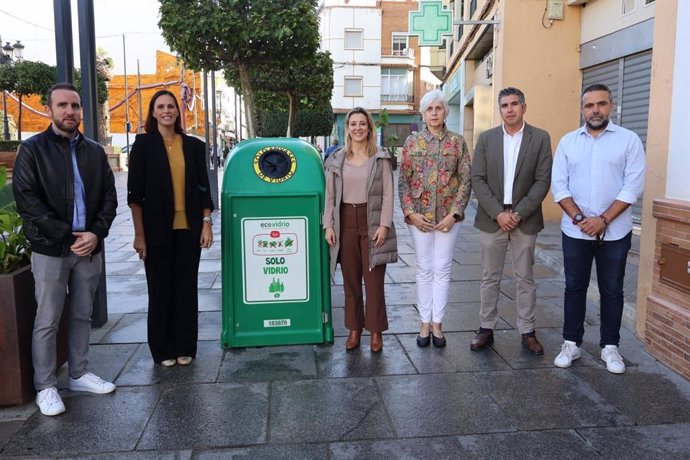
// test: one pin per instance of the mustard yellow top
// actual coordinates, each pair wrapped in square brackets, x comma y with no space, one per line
[177,167]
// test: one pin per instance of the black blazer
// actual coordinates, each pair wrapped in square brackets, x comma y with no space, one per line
[149,184]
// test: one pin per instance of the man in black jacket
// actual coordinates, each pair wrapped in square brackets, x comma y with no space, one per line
[65,192]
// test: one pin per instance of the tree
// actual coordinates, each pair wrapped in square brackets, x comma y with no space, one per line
[32,78]
[307,82]
[240,34]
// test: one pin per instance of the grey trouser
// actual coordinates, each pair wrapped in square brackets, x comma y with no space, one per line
[494,247]
[55,276]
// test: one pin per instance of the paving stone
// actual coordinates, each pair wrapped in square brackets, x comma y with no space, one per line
[327,410]
[647,398]
[640,442]
[210,300]
[401,273]
[335,361]
[464,316]
[127,302]
[141,455]
[209,266]
[456,356]
[210,325]
[268,452]
[508,344]
[440,405]
[124,268]
[557,399]
[209,280]
[436,448]
[465,272]
[548,312]
[268,364]
[561,444]
[141,370]
[402,319]
[207,416]
[338,321]
[130,329]
[7,430]
[92,423]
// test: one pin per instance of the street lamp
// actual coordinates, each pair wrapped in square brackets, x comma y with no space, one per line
[9,53]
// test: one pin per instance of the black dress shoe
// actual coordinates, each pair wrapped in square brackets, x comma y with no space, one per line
[483,338]
[439,342]
[423,341]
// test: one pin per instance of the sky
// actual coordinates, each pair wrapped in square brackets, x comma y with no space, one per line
[32,22]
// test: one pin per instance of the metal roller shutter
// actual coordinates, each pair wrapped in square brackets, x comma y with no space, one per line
[629,80]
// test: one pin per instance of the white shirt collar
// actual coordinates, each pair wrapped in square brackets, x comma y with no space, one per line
[503,125]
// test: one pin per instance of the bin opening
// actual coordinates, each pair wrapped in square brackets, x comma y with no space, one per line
[275,163]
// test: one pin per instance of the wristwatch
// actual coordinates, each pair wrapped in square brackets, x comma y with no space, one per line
[207,220]
[577,218]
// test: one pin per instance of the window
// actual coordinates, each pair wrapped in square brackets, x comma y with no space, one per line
[396,85]
[399,44]
[353,86]
[628,6]
[353,39]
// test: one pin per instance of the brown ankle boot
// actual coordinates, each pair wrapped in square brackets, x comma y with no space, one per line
[353,340]
[376,342]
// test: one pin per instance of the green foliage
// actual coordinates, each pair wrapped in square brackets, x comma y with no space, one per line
[291,84]
[218,34]
[9,146]
[239,36]
[14,248]
[33,77]
[309,123]
[389,142]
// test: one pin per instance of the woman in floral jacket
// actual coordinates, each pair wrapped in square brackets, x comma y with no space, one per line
[434,187]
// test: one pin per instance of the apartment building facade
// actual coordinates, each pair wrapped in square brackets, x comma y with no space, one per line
[376,64]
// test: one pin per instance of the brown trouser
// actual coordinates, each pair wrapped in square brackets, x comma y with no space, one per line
[354,262]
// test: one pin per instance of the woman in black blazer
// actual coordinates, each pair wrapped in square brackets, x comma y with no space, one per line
[168,193]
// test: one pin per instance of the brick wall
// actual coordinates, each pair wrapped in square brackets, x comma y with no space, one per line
[668,308]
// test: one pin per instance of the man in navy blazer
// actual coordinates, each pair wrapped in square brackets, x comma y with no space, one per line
[511,175]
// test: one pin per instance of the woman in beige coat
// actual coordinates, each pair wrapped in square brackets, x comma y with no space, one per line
[358,218]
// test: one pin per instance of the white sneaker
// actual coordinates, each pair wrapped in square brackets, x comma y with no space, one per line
[50,402]
[569,353]
[614,361]
[91,383]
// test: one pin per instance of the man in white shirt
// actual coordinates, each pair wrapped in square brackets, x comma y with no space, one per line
[511,174]
[598,172]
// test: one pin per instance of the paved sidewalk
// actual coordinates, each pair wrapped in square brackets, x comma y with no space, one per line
[322,402]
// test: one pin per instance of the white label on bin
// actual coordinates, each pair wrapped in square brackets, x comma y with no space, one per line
[274,260]
[277,322]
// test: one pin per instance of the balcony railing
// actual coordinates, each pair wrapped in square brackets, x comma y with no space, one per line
[407,52]
[408,98]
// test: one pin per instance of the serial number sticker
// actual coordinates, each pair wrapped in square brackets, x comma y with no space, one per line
[276,322]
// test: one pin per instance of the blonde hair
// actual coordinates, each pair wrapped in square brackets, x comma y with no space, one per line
[372,147]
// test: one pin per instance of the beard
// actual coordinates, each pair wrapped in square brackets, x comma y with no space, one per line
[597,125]
[69,128]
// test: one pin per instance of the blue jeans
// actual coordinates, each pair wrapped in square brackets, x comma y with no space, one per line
[610,259]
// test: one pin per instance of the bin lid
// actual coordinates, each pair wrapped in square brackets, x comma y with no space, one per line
[273,165]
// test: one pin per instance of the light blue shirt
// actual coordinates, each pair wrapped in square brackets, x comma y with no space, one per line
[596,171]
[79,219]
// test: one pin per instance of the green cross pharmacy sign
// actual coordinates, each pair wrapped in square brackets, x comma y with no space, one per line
[431,22]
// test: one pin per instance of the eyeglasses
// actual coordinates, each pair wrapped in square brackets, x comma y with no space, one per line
[599,240]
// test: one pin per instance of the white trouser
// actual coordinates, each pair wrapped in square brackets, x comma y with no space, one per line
[433,253]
